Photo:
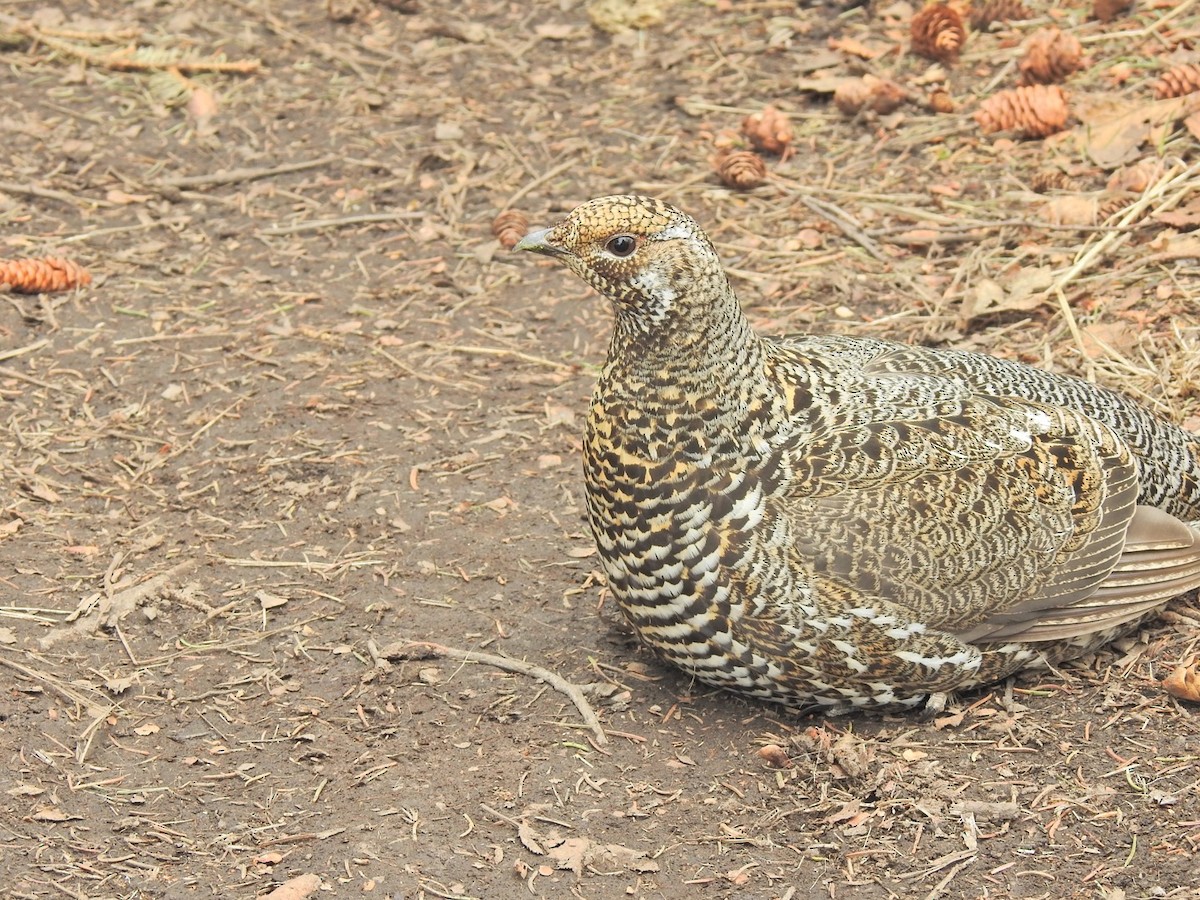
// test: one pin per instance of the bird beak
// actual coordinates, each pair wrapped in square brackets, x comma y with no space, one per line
[539,242]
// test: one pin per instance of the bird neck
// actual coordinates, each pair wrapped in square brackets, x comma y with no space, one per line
[695,369]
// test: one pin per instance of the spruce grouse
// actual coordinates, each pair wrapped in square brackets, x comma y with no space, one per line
[838,522]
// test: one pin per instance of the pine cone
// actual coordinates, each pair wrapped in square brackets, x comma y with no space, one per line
[985,14]
[869,93]
[769,130]
[1112,202]
[1034,111]
[43,275]
[1050,56]
[509,227]
[1053,180]
[742,169]
[1107,10]
[940,101]
[1178,81]
[938,33]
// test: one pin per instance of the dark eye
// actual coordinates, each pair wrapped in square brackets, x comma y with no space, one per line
[622,245]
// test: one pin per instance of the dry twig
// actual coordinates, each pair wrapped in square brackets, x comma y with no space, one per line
[560,684]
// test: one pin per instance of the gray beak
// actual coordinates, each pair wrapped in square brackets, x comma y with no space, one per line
[537,242]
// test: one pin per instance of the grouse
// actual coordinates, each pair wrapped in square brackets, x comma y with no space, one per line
[836,522]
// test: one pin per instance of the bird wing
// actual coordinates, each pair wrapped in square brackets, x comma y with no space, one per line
[1160,559]
[987,518]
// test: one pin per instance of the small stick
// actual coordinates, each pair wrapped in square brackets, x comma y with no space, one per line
[32,190]
[232,176]
[541,179]
[503,351]
[21,351]
[560,684]
[845,222]
[121,61]
[318,224]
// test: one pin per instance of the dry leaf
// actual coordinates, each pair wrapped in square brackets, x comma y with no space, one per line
[1114,133]
[1183,683]
[116,195]
[1071,209]
[295,889]
[1176,246]
[1020,293]
[202,108]
[557,414]
[570,853]
[50,814]
[1192,124]
[268,600]
[530,839]
[1102,339]
[856,48]
[775,756]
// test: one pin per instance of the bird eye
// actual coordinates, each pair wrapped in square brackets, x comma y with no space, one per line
[622,245]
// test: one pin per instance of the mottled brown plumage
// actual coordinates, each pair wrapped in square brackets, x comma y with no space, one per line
[843,522]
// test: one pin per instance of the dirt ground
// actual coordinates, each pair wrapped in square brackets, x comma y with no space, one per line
[309,415]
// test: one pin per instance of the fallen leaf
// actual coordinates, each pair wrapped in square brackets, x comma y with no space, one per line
[50,814]
[269,601]
[295,889]
[1102,339]
[1024,291]
[202,108]
[569,854]
[1183,683]
[1071,209]
[116,195]
[530,839]
[1112,133]
[775,756]
[1176,246]
[856,48]
[557,414]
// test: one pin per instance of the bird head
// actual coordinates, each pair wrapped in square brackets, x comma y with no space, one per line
[653,261]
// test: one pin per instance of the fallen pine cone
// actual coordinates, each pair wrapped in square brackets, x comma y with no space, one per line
[938,33]
[1178,81]
[43,275]
[741,169]
[1035,111]
[985,14]
[509,227]
[769,130]
[1050,55]
[1107,10]
[940,101]
[1183,683]
[869,93]
[1113,202]
[1053,180]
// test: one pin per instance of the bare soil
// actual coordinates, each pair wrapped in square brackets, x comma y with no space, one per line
[310,419]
